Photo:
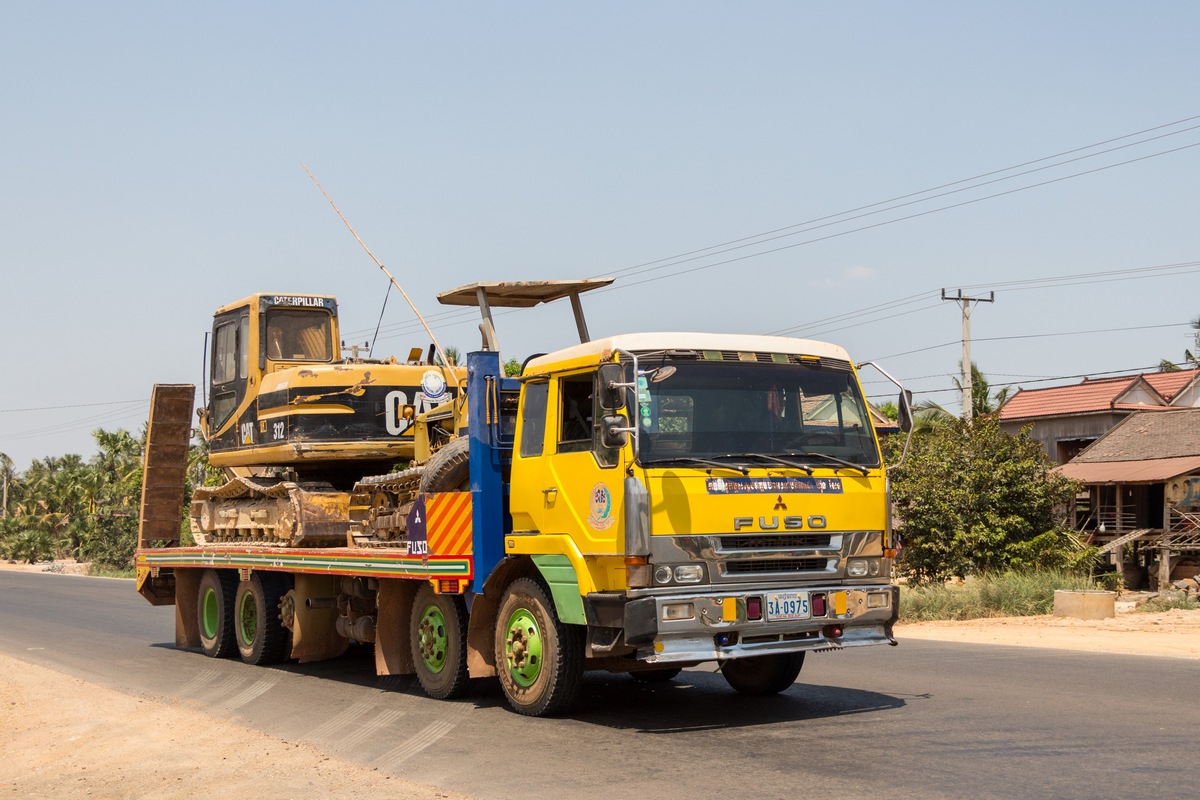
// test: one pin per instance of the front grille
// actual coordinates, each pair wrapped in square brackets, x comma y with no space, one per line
[781,541]
[752,566]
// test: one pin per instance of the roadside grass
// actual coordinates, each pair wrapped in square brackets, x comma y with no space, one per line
[1009,594]
[1159,604]
[104,571]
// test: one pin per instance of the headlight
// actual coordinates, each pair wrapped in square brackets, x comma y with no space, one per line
[856,568]
[689,573]
[662,575]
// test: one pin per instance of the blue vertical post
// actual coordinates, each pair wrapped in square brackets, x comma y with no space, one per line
[487,463]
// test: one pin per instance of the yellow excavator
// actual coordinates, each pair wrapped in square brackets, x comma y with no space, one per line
[296,427]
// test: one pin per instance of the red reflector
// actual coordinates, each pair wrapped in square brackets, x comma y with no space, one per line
[818,604]
[753,608]
[833,631]
[447,587]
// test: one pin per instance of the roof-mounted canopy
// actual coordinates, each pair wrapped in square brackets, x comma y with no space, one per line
[520,294]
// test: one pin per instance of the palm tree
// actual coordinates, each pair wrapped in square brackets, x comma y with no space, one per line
[982,400]
[6,476]
[1190,359]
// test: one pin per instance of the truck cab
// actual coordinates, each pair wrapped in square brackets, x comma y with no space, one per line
[755,464]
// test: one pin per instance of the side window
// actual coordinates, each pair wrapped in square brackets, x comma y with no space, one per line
[533,418]
[229,360]
[225,353]
[576,411]
[579,416]
[244,348]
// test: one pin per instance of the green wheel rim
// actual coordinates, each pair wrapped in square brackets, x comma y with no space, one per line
[248,618]
[523,647]
[210,613]
[432,641]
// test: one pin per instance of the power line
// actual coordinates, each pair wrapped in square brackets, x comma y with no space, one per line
[79,405]
[638,268]
[691,255]
[897,219]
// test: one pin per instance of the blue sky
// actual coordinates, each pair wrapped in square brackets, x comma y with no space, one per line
[150,161]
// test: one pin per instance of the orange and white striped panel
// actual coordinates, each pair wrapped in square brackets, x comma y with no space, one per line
[448,523]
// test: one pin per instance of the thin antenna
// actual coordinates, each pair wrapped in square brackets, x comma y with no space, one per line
[379,264]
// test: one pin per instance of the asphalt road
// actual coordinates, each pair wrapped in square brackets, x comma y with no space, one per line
[923,720]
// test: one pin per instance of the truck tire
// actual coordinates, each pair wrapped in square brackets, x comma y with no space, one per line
[261,637]
[438,634]
[656,675]
[539,658]
[214,612]
[762,675]
[448,469]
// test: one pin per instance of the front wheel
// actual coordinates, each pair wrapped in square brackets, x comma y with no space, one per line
[539,658]
[761,675]
[438,630]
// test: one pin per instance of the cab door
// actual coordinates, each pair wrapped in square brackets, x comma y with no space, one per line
[573,485]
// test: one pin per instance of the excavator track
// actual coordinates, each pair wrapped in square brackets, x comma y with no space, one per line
[379,507]
[272,513]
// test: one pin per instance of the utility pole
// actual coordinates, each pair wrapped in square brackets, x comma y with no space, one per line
[968,396]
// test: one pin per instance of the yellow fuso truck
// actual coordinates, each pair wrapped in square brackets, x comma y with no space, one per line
[637,503]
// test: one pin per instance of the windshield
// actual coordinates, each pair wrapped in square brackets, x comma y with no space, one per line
[811,414]
[299,335]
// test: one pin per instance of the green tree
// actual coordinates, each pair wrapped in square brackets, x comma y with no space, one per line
[512,368]
[973,499]
[6,478]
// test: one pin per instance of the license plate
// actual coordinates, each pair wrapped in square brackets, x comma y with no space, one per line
[788,605]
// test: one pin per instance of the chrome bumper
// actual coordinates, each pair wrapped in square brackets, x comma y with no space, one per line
[720,630]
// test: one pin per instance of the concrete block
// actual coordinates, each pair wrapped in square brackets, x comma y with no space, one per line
[1084,604]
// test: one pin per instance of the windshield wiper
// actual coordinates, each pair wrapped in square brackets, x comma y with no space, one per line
[660,462]
[772,459]
[843,462]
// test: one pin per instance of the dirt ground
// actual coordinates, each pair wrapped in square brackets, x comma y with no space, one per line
[124,746]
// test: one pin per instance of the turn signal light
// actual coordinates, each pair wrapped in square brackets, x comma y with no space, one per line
[637,571]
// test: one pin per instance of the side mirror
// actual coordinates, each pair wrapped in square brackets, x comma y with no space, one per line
[904,405]
[614,431]
[612,387]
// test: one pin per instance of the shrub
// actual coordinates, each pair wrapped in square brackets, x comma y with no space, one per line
[1008,594]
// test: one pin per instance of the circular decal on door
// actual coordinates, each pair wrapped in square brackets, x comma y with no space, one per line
[600,506]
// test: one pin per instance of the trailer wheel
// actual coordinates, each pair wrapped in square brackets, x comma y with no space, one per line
[539,658]
[214,612]
[761,675]
[261,637]
[448,470]
[438,630]
[656,675]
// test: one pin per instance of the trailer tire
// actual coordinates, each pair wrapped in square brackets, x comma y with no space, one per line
[539,658]
[214,612]
[261,637]
[438,634]
[762,675]
[448,470]
[656,675]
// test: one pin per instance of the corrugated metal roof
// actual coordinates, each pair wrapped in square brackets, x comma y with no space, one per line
[1150,470]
